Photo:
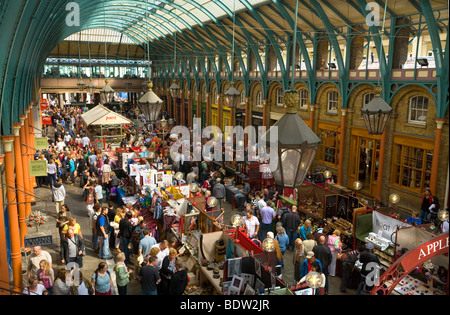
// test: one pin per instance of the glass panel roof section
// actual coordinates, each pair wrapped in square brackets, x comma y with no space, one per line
[98,35]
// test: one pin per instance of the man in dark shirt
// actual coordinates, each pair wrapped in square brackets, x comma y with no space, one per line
[366,258]
[149,276]
[323,253]
[125,232]
[291,222]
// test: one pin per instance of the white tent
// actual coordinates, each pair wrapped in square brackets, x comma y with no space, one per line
[100,115]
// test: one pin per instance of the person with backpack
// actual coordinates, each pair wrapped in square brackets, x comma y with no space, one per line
[101,280]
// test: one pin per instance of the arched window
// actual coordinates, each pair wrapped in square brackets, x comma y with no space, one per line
[303,94]
[332,104]
[418,108]
[280,97]
[243,97]
[259,101]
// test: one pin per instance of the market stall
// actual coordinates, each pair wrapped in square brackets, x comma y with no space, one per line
[103,123]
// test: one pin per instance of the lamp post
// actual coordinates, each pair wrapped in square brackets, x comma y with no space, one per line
[313,280]
[393,200]
[268,245]
[236,222]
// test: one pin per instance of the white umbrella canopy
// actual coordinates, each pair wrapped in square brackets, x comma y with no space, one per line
[100,115]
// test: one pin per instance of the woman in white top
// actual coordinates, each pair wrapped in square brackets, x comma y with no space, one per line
[315,267]
[106,172]
[34,288]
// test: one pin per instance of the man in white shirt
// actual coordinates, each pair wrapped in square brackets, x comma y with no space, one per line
[60,145]
[163,252]
[252,224]
[85,141]
[35,258]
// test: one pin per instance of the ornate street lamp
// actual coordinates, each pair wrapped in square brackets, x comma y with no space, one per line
[81,85]
[376,113]
[232,96]
[296,143]
[91,87]
[150,104]
[107,93]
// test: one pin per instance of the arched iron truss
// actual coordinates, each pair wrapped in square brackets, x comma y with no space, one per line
[203,28]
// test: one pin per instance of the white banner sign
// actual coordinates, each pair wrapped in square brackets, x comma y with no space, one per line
[384,225]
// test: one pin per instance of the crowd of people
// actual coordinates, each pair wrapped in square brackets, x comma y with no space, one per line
[119,232]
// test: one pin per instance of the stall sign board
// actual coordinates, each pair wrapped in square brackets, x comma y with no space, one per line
[385,225]
[39,239]
[38,168]
[40,143]
[47,120]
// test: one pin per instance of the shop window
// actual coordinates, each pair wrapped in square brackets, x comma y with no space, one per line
[328,151]
[303,93]
[259,100]
[332,104]
[280,97]
[411,167]
[418,107]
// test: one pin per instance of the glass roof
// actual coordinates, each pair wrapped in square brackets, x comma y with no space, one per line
[97,35]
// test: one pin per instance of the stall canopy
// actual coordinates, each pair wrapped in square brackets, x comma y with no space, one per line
[100,115]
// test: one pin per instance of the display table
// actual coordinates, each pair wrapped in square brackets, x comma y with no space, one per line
[410,286]
[208,274]
[231,191]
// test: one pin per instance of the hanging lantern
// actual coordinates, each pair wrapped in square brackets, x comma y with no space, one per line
[107,94]
[128,85]
[91,87]
[296,144]
[327,174]
[81,85]
[150,104]
[232,96]
[174,90]
[376,113]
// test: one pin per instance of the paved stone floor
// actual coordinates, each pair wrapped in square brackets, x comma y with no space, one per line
[78,208]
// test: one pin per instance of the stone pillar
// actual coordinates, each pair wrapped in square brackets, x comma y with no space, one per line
[13,220]
[4,273]
[20,183]
[341,146]
[436,152]
[356,50]
[401,42]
